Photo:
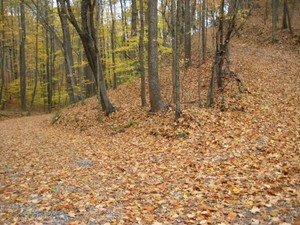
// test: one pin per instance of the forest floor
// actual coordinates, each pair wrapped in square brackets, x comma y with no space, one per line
[240,166]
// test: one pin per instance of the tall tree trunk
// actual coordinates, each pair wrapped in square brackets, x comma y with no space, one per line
[221,49]
[87,35]
[293,10]
[68,55]
[218,62]
[274,19]
[266,12]
[52,67]
[124,25]
[100,118]
[141,55]
[134,15]
[193,15]
[175,57]
[14,50]
[187,33]
[113,44]
[154,86]
[48,62]
[284,19]
[203,20]
[2,54]
[199,62]
[36,62]
[22,57]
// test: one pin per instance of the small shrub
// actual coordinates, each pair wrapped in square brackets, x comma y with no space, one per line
[130,123]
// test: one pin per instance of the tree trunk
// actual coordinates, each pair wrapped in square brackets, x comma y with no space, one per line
[134,15]
[293,10]
[141,55]
[48,63]
[22,57]
[203,20]
[87,36]
[284,19]
[154,86]
[266,12]
[175,58]
[274,19]
[124,26]
[36,63]
[113,44]
[220,48]
[68,55]
[100,118]
[187,33]
[199,64]
[2,54]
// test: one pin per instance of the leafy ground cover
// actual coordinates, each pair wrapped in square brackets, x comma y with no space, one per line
[240,166]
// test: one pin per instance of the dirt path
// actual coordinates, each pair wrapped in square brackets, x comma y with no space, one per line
[246,172]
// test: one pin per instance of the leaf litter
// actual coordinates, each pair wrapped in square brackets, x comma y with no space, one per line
[209,167]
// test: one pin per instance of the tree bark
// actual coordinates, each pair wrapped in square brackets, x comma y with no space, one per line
[141,55]
[203,21]
[175,58]
[68,55]
[22,56]
[36,63]
[274,19]
[113,44]
[187,33]
[284,20]
[199,62]
[89,42]
[48,62]
[2,53]
[154,86]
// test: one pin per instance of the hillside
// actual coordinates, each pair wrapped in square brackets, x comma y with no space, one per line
[240,166]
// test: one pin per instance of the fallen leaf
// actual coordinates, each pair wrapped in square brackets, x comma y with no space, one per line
[255,210]
[71,214]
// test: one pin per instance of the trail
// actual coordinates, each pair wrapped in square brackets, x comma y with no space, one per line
[246,172]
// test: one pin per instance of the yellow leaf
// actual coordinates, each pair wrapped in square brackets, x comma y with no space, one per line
[235,190]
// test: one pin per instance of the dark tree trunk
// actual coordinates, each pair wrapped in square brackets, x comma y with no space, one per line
[187,34]
[87,35]
[141,55]
[48,63]
[199,61]
[2,54]
[154,86]
[220,48]
[222,51]
[134,15]
[203,20]
[68,55]
[22,57]
[36,63]
[175,58]
[274,19]
[284,19]
[113,44]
